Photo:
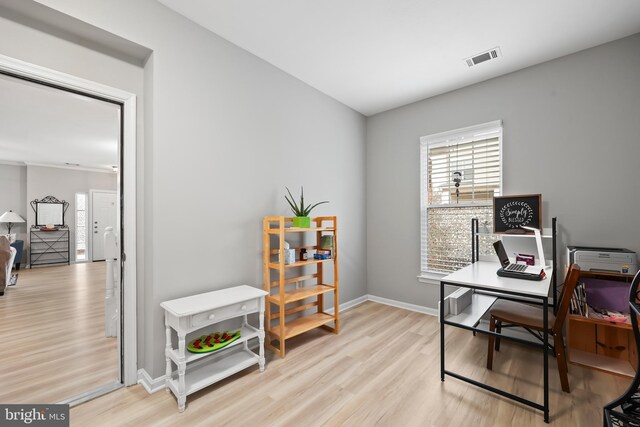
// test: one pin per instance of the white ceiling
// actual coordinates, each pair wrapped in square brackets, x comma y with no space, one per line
[42,125]
[374,55]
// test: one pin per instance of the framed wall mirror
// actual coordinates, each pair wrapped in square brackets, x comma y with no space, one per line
[49,211]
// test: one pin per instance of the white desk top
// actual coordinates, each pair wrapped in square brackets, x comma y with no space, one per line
[483,275]
[211,300]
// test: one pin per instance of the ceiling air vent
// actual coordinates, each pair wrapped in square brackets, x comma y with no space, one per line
[483,57]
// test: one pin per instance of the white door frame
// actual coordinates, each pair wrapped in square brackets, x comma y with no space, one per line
[90,228]
[128,174]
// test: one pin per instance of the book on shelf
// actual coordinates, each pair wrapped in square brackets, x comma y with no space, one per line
[326,242]
[608,315]
[580,306]
[579,300]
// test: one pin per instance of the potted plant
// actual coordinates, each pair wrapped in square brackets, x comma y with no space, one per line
[301,211]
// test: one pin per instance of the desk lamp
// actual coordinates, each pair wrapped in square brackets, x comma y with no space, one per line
[536,232]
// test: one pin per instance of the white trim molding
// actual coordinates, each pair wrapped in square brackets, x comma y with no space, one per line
[405,305]
[430,278]
[128,147]
[349,304]
[91,394]
[445,138]
[152,385]
[12,163]
[76,168]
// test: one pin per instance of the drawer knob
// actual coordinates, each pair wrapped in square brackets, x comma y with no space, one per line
[212,316]
[243,308]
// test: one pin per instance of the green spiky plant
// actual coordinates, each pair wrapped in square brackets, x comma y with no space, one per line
[300,210]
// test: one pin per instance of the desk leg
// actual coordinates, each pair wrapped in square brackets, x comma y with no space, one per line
[441,331]
[545,353]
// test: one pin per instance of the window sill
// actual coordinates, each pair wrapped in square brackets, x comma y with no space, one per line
[430,278]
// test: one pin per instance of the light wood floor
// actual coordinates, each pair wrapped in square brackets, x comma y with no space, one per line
[52,335]
[383,369]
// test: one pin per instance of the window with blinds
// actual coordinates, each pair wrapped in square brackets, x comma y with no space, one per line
[461,172]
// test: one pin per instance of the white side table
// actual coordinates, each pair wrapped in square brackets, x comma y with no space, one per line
[186,315]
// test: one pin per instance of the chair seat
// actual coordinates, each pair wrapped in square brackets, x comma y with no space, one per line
[520,314]
[504,312]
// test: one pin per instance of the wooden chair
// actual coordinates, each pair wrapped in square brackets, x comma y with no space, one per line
[508,313]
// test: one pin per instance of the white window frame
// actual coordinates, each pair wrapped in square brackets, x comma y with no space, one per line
[86,227]
[461,135]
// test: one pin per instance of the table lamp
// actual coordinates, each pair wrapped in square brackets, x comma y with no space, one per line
[10,218]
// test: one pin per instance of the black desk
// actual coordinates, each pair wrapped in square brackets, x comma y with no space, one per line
[481,275]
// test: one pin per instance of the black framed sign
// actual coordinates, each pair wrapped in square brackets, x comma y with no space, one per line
[512,212]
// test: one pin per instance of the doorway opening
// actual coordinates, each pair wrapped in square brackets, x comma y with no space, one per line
[125,352]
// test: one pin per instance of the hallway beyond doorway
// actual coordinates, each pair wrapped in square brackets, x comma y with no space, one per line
[52,324]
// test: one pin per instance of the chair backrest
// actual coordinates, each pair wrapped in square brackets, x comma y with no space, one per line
[570,283]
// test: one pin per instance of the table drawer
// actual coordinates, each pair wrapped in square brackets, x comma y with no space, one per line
[223,313]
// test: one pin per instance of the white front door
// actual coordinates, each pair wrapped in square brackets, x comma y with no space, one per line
[103,214]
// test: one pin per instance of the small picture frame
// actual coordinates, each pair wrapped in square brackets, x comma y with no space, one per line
[510,213]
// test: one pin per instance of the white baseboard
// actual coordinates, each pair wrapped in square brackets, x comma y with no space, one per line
[407,306]
[386,301]
[350,304]
[150,384]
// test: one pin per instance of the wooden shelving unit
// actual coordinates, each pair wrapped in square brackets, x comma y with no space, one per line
[599,344]
[289,296]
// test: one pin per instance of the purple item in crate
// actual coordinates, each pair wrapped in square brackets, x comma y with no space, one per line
[607,294]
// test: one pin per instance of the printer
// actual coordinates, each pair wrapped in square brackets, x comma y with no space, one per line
[609,260]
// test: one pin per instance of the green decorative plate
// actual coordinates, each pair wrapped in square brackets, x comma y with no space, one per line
[212,342]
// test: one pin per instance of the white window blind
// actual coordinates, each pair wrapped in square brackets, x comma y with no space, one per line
[472,159]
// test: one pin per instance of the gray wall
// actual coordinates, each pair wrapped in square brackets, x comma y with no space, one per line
[13,196]
[571,130]
[63,184]
[224,133]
